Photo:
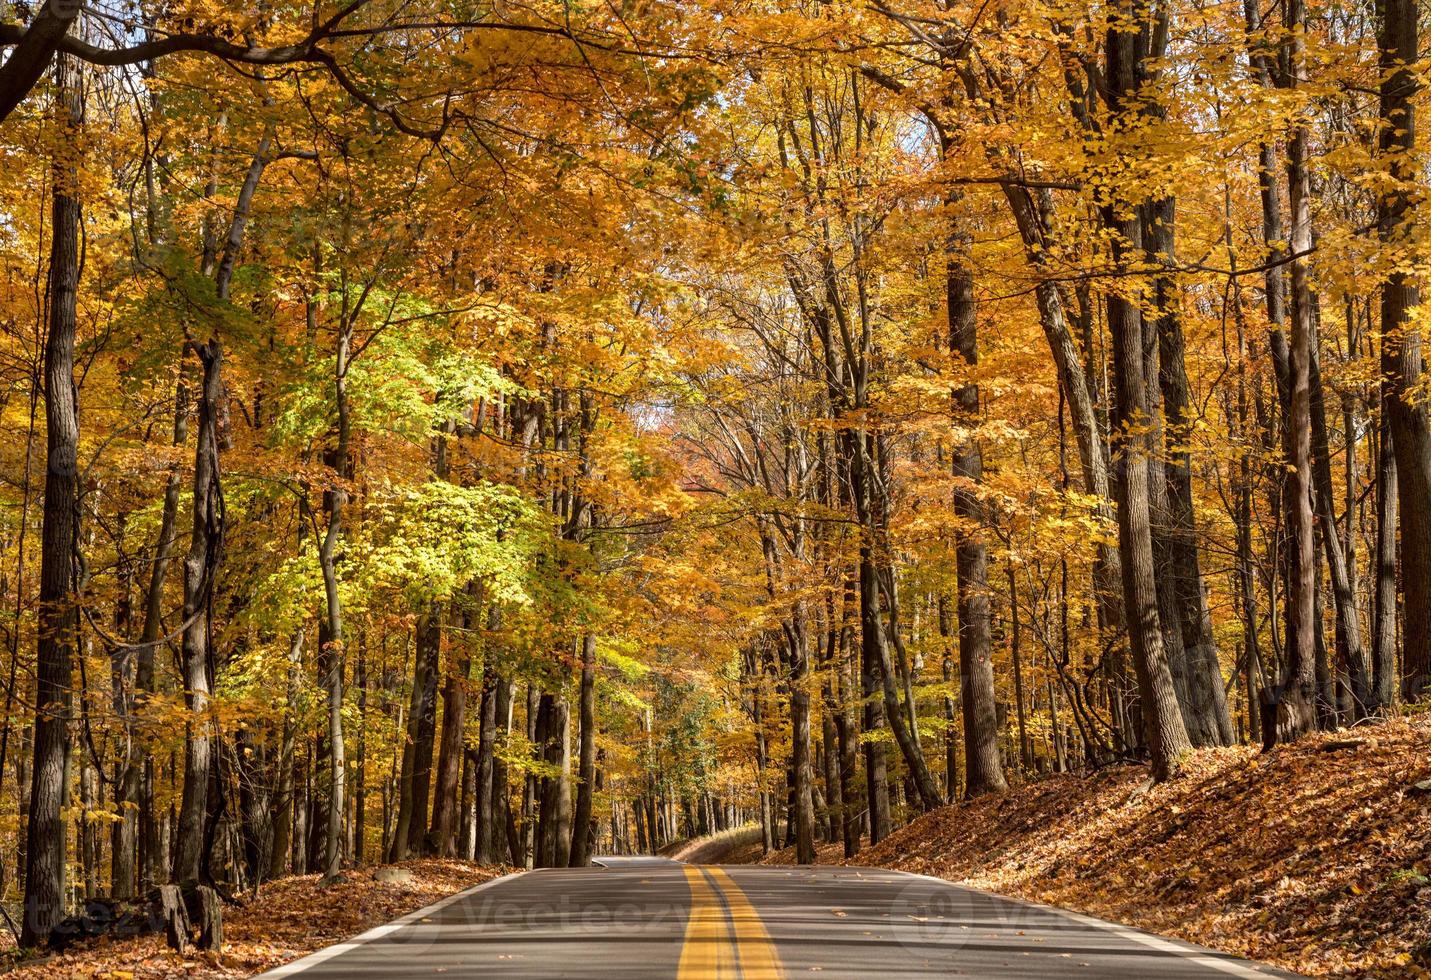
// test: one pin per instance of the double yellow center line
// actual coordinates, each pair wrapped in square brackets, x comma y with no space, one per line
[725,939]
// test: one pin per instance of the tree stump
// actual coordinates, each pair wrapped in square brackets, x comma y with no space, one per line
[176,917]
[211,935]
[206,917]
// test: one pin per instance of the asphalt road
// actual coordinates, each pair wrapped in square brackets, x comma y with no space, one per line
[639,918]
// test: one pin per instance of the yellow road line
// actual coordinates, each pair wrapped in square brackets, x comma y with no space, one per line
[707,952]
[758,959]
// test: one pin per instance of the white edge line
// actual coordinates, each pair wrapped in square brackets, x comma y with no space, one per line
[1189,952]
[377,932]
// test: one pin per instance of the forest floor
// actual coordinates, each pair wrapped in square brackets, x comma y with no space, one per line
[290,918]
[1315,857]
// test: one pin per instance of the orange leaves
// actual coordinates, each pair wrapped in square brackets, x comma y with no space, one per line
[1240,856]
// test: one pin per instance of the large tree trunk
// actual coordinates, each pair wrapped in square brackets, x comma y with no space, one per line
[1402,365]
[1205,707]
[803,814]
[983,766]
[876,780]
[1297,698]
[424,732]
[1162,719]
[554,812]
[49,775]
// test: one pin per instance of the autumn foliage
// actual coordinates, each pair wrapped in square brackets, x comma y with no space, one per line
[514,431]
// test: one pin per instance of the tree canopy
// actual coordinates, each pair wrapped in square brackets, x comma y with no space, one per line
[519,430]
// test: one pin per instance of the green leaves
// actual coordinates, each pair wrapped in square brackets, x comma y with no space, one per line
[431,541]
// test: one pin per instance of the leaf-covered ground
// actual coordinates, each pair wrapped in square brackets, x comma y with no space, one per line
[1315,857]
[290,918]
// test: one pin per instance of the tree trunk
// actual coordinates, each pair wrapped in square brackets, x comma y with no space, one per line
[1297,697]
[505,839]
[1351,653]
[582,825]
[422,728]
[1402,367]
[134,833]
[1383,635]
[1025,747]
[451,752]
[58,618]
[877,785]
[1031,214]
[360,789]
[803,815]
[283,813]
[1205,711]
[983,766]
[1162,719]
[200,567]
[950,671]
[255,804]
[486,834]
[554,814]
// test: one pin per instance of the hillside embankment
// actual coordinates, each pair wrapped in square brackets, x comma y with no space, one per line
[1315,857]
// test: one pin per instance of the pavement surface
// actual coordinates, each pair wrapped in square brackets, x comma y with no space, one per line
[638,918]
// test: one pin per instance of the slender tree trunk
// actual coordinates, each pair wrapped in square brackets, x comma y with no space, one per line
[200,567]
[255,804]
[330,638]
[554,812]
[407,804]
[424,725]
[950,671]
[283,813]
[803,802]
[1383,635]
[582,824]
[301,799]
[1015,643]
[1031,212]
[877,785]
[505,839]
[152,870]
[1351,653]
[486,740]
[360,789]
